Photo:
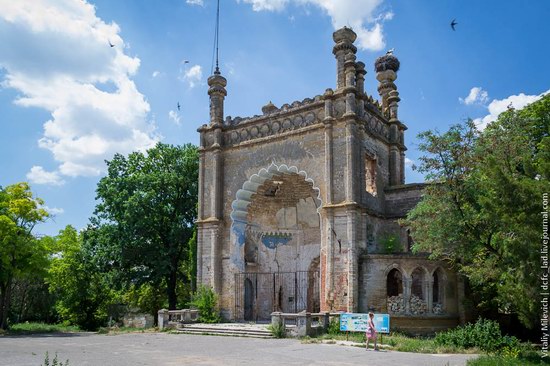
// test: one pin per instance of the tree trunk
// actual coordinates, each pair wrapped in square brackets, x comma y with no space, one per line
[5,303]
[171,289]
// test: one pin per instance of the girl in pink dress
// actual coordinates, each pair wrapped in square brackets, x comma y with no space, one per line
[371,331]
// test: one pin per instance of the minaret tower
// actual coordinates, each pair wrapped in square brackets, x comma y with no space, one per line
[386,73]
[210,213]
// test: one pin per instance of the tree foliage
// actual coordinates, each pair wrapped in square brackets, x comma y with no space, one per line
[82,291]
[144,221]
[21,254]
[482,210]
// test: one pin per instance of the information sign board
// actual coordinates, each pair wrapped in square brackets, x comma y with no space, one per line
[357,322]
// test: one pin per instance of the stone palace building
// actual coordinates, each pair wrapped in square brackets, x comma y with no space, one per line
[299,206]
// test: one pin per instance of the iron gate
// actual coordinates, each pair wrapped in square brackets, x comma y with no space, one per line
[257,295]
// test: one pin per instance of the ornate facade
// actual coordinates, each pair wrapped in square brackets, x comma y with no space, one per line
[298,207]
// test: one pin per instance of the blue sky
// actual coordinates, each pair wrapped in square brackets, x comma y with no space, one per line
[69,100]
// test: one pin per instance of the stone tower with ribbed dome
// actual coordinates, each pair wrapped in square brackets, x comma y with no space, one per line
[299,206]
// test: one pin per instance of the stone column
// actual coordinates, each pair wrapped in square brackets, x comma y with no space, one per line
[407,282]
[353,280]
[351,164]
[344,38]
[328,215]
[386,73]
[360,77]
[201,202]
[329,268]
[360,85]
[328,121]
[163,318]
[217,93]
[430,294]
[350,88]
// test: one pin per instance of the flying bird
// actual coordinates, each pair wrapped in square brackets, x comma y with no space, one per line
[510,106]
[110,44]
[179,106]
[185,61]
[453,23]
[390,52]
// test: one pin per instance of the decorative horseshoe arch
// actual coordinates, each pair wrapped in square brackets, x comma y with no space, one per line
[244,196]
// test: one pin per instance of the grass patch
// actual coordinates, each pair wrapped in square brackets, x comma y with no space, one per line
[500,360]
[523,355]
[124,330]
[397,342]
[277,330]
[30,328]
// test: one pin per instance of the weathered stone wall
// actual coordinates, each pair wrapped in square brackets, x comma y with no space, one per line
[374,272]
[315,185]
[138,320]
[401,199]
[306,153]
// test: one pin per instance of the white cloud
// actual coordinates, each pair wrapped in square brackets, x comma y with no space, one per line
[56,54]
[386,16]
[195,2]
[496,107]
[361,15]
[269,5]
[155,74]
[54,210]
[408,162]
[477,96]
[174,117]
[37,175]
[193,75]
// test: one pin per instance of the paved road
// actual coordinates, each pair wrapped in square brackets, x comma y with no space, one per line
[161,349]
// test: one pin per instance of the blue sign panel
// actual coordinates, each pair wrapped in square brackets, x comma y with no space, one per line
[357,322]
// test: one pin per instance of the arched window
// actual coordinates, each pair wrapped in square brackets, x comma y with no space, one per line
[394,283]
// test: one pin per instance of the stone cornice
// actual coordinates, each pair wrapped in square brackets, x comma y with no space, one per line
[210,220]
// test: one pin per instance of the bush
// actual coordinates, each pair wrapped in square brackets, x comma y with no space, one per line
[42,328]
[206,301]
[484,334]
[278,330]
[390,243]
[334,326]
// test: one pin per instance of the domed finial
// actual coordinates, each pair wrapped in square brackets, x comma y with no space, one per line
[387,62]
[269,108]
[345,34]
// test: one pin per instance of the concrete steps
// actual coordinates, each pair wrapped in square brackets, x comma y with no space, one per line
[220,330]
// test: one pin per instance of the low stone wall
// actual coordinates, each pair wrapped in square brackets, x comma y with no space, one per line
[305,324]
[422,325]
[171,318]
[138,320]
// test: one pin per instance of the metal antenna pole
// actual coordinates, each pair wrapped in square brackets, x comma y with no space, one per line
[217,38]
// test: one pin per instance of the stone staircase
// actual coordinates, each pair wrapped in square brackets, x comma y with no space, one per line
[226,329]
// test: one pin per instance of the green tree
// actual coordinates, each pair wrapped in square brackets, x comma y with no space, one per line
[21,254]
[482,212]
[82,291]
[143,226]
